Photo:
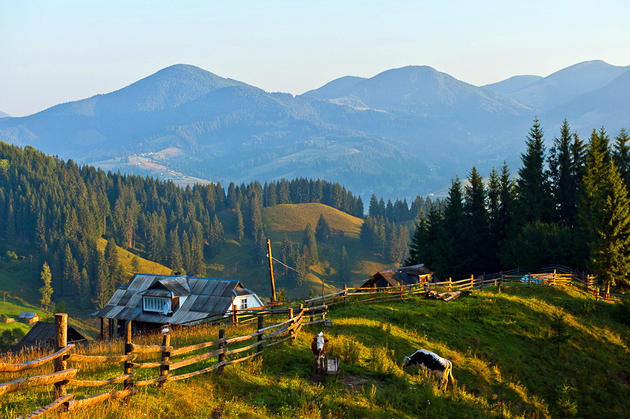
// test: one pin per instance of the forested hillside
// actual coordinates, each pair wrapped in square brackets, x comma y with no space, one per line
[58,212]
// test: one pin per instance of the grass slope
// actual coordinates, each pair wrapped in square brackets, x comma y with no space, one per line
[508,362]
[295,217]
[125,257]
[236,260]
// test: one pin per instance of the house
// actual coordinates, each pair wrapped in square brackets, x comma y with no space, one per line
[150,301]
[43,334]
[28,317]
[405,275]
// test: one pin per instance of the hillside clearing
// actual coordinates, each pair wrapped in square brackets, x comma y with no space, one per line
[526,352]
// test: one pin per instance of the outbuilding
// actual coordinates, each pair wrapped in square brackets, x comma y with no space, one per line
[28,317]
[43,335]
[150,301]
[405,275]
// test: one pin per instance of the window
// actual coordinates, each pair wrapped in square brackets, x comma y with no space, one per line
[243,304]
[156,304]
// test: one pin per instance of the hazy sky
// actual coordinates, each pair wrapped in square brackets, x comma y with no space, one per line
[55,51]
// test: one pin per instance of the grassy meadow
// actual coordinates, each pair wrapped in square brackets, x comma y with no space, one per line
[526,352]
[236,261]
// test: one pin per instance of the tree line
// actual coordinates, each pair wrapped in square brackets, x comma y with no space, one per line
[568,205]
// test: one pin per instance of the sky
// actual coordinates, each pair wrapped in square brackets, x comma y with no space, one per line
[56,51]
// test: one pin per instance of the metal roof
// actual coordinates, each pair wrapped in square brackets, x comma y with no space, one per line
[204,297]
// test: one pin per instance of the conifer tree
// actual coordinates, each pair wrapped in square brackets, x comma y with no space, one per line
[344,266]
[533,188]
[477,234]
[452,259]
[46,291]
[592,200]
[240,227]
[419,244]
[562,187]
[323,230]
[621,155]
[611,256]
[310,245]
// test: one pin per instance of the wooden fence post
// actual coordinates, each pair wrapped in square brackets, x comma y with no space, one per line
[291,332]
[222,354]
[61,323]
[481,280]
[234,315]
[500,282]
[261,320]
[472,282]
[450,284]
[345,294]
[128,347]
[102,334]
[166,355]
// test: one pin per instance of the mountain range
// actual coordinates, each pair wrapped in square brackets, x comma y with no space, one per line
[403,132]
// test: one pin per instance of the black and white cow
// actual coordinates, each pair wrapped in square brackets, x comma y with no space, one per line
[442,368]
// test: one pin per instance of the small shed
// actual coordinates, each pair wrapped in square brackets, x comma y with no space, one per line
[43,334]
[405,275]
[150,301]
[28,317]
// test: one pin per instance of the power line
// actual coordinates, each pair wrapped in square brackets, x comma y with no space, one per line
[284,264]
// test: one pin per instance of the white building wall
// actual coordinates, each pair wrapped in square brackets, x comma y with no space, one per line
[252,302]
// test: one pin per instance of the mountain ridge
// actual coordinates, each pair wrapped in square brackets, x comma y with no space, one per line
[402,132]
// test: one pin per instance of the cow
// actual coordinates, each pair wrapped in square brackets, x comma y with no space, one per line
[440,367]
[318,346]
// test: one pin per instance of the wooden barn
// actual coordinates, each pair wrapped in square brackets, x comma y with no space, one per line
[43,334]
[405,275]
[150,301]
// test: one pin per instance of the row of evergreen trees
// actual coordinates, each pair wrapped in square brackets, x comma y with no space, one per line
[566,206]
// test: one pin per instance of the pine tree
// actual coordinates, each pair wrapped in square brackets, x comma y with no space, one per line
[310,244]
[621,155]
[592,200]
[240,227]
[323,230]
[477,231]
[451,259]
[344,266]
[46,291]
[610,257]
[419,244]
[533,188]
[562,185]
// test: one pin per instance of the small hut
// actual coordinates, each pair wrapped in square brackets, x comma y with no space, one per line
[28,317]
[405,275]
[43,334]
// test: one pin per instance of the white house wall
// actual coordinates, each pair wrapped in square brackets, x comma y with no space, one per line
[252,302]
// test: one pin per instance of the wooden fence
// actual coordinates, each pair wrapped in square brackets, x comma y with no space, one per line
[226,351]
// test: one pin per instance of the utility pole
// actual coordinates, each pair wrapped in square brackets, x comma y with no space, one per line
[273,281]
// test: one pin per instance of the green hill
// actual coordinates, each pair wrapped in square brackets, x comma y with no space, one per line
[525,353]
[237,259]
[144,265]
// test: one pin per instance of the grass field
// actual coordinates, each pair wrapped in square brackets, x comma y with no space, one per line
[295,217]
[125,257]
[526,352]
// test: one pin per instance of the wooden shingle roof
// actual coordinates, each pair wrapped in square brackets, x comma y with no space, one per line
[44,334]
